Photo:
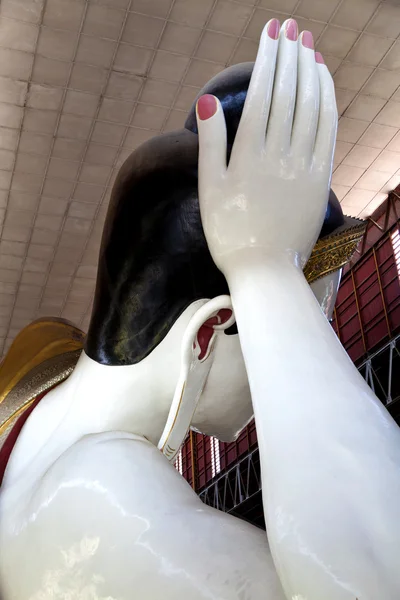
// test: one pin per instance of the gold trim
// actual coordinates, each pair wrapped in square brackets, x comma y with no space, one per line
[169,451]
[333,252]
[42,355]
[38,380]
[36,343]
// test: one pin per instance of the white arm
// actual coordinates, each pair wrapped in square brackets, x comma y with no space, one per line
[330,452]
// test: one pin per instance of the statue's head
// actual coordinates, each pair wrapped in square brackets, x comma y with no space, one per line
[155,268]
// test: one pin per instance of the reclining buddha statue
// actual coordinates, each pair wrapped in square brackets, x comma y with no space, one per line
[218,271]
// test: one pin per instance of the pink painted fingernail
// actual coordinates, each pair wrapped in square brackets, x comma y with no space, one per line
[273,29]
[291,30]
[319,59]
[307,40]
[206,107]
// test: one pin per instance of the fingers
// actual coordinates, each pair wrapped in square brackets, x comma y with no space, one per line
[307,101]
[253,123]
[280,122]
[328,117]
[212,140]
[287,74]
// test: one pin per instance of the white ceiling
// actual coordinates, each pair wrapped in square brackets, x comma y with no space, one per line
[83,83]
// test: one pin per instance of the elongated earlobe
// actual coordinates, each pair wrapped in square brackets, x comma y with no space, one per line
[197,357]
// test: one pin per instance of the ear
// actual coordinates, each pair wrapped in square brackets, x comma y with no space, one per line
[197,356]
[206,333]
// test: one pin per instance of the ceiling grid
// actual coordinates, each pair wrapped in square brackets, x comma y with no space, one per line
[85,82]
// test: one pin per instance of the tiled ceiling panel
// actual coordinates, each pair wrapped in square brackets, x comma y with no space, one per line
[83,83]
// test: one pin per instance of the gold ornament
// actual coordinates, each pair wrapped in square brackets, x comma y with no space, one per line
[334,251]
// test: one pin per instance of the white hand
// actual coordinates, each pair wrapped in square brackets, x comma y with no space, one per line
[273,195]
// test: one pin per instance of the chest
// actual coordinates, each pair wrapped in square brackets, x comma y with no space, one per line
[94,530]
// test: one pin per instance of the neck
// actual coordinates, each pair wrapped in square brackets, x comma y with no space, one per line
[94,399]
[123,398]
[97,398]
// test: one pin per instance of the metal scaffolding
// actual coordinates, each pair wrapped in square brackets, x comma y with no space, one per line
[241,484]
[380,370]
[237,485]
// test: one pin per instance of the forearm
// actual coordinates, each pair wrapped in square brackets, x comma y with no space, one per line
[298,371]
[330,452]
[282,327]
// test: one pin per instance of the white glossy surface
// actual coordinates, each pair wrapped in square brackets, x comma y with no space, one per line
[271,200]
[53,58]
[330,452]
[136,398]
[112,519]
[89,509]
[65,431]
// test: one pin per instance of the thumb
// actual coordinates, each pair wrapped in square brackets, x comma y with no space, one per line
[212,139]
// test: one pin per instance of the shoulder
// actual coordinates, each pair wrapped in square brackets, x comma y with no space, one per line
[114,465]
[113,507]
[99,480]
[113,454]
[124,465]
